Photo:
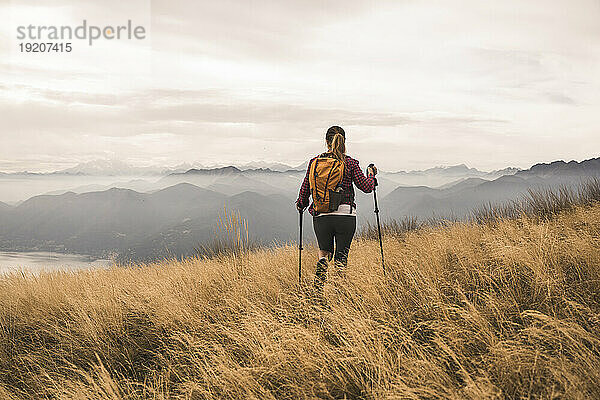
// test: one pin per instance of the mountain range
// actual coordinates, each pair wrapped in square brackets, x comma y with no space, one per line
[177,212]
[439,176]
[564,169]
[460,198]
[112,167]
[141,226]
[105,174]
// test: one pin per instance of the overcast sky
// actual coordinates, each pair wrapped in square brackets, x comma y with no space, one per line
[415,83]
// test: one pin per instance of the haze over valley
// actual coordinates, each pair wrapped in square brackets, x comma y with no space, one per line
[109,209]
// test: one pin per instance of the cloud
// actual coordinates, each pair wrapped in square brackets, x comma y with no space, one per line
[261,29]
[148,111]
[459,81]
[560,98]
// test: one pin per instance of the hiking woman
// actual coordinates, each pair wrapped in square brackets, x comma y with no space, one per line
[329,180]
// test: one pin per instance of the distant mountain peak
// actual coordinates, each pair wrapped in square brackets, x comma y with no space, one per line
[590,167]
[457,166]
[264,165]
[108,167]
[212,171]
[459,169]
[506,171]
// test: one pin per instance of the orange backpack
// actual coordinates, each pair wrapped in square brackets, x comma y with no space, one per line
[325,177]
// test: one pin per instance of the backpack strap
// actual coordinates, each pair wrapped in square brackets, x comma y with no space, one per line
[314,167]
[316,193]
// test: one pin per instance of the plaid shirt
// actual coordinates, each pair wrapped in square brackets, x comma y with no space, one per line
[352,174]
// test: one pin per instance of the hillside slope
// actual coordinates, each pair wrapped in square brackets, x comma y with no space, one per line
[140,226]
[506,310]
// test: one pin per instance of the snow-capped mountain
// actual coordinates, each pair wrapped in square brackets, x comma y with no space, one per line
[119,168]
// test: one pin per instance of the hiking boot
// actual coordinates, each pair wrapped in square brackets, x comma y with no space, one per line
[320,276]
[340,268]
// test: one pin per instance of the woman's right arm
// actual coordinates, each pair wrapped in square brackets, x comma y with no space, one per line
[304,195]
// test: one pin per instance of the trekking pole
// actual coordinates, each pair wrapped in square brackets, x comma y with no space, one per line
[301,212]
[377,217]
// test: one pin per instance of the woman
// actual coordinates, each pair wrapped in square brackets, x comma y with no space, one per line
[337,224]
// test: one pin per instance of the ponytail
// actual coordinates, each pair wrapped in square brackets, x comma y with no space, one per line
[338,148]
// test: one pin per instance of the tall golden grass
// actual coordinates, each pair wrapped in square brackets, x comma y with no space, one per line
[539,204]
[231,236]
[504,310]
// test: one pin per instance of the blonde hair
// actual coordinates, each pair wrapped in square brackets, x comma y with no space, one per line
[338,148]
[336,141]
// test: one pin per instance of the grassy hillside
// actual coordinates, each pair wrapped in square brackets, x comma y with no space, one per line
[508,309]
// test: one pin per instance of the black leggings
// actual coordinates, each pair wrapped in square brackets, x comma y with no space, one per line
[338,227]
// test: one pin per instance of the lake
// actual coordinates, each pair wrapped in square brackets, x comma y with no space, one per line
[47,261]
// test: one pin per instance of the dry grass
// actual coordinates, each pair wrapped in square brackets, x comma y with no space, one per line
[467,311]
[541,203]
[231,236]
[394,227]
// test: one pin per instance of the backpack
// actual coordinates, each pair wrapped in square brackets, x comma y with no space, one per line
[325,178]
